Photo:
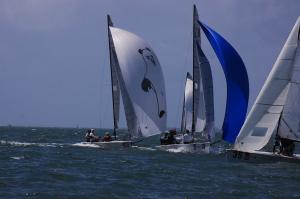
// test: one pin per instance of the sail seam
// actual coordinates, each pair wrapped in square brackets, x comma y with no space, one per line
[281,79]
[268,104]
[295,82]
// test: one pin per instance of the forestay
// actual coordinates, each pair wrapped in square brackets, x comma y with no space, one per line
[114,78]
[142,84]
[264,116]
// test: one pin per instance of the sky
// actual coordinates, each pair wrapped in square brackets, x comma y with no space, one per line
[54,62]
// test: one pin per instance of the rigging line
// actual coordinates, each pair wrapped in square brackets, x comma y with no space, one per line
[290,129]
[102,84]
[295,82]
[137,141]
[180,99]
[215,142]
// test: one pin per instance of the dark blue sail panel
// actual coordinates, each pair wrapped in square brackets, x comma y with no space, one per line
[237,83]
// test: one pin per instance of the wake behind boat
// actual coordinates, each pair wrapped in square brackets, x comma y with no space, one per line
[272,129]
[115,144]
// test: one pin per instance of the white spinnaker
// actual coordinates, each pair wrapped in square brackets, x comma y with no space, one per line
[142,83]
[263,118]
[186,121]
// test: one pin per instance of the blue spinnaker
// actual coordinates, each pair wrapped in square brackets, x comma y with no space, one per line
[237,83]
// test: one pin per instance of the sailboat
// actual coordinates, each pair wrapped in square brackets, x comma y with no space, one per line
[198,108]
[272,128]
[137,76]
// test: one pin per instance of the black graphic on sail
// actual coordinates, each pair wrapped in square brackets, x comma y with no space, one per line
[146,83]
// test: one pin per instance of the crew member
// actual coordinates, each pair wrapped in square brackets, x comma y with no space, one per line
[288,147]
[91,137]
[187,138]
[107,137]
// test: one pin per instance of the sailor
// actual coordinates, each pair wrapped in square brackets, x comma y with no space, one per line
[171,138]
[288,147]
[91,137]
[87,135]
[164,138]
[277,148]
[187,138]
[107,137]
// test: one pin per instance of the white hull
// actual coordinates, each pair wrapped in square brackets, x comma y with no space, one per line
[112,144]
[203,147]
[260,157]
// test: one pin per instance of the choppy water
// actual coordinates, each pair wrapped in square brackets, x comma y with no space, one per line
[51,163]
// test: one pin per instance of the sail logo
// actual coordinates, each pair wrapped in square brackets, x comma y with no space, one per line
[147,84]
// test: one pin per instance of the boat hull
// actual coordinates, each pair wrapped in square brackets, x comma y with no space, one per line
[260,157]
[112,144]
[186,148]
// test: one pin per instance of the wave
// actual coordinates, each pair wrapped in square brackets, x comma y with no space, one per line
[16,143]
[17,158]
[144,148]
[85,144]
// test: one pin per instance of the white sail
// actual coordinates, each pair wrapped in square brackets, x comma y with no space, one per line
[197,115]
[186,121]
[114,79]
[289,124]
[206,108]
[204,99]
[262,121]
[142,84]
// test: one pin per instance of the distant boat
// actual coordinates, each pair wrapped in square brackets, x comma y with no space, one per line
[273,125]
[198,106]
[137,75]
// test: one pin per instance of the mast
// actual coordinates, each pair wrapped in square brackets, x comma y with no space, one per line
[194,84]
[109,23]
[196,70]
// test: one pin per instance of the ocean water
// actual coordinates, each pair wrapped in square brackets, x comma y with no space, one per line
[51,163]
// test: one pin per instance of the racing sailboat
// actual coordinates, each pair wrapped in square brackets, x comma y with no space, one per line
[198,111]
[198,106]
[272,126]
[137,76]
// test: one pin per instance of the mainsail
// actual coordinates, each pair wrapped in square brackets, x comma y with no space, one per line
[237,83]
[203,106]
[186,121]
[115,89]
[141,82]
[277,102]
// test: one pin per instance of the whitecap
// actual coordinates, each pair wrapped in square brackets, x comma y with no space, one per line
[144,148]
[17,158]
[85,144]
